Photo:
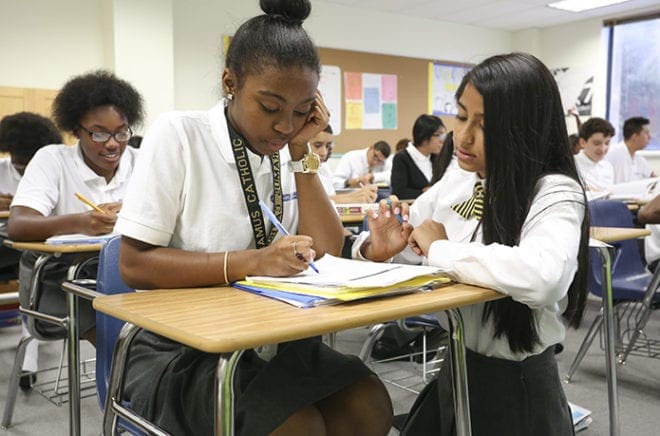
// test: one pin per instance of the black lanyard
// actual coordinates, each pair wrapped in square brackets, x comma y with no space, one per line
[250,189]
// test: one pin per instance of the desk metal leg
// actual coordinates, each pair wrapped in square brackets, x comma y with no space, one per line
[74,365]
[459,373]
[606,254]
[224,421]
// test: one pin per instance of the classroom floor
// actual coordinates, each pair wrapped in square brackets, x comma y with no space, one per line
[639,386]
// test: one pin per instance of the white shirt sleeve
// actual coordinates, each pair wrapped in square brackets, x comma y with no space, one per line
[39,188]
[342,172]
[539,270]
[154,195]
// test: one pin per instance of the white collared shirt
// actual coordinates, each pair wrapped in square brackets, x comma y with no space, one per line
[423,162]
[626,167]
[537,272]
[596,176]
[355,164]
[57,172]
[9,177]
[186,193]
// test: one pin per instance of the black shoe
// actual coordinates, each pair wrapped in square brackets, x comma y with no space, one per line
[27,380]
[384,349]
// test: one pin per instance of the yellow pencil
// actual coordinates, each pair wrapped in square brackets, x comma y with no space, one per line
[89,203]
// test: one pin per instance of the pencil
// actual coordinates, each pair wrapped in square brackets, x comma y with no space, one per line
[88,202]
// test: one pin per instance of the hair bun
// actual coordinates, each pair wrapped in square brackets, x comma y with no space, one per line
[290,10]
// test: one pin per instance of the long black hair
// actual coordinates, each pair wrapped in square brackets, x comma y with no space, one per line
[524,139]
[275,38]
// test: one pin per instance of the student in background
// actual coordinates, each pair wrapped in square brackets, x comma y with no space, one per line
[412,169]
[21,135]
[519,229]
[321,144]
[596,172]
[366,166]
[401,145]
[649,214]
[99,109]
[194,228]
[628,164]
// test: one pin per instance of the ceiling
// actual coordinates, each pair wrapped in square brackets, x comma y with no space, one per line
[508,15]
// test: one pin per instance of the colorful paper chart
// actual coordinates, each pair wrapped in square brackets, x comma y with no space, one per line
[371,100]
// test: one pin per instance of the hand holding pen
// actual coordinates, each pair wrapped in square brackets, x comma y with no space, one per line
[298,243]
[101,219]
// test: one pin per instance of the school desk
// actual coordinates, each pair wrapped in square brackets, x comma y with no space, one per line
[600,237]
[46,252]
[227,320]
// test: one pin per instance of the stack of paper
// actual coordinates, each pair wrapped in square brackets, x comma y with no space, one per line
[341,280]
[581,417]
[634,190]
[79,239]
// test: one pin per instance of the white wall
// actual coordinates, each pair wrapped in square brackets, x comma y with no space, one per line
[143,47]
[200,25]
[172,49]
[43,43]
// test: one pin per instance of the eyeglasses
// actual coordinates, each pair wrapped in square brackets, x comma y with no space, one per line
[102,137]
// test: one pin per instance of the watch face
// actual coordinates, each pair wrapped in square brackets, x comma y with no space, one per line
[313,162]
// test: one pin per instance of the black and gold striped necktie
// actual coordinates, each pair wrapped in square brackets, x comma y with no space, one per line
[473,206]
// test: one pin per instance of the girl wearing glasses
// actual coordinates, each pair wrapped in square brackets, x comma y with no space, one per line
[99,109]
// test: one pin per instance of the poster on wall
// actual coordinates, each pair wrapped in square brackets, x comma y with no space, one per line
[371,100]
[330,87]
[444,80]
[575,86]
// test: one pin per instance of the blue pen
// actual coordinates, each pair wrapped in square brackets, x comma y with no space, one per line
[273,219]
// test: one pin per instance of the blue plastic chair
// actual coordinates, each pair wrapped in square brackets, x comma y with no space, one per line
[108,281]
[108,334]
[631,281]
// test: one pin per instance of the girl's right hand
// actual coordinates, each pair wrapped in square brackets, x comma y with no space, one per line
[287,256]
[97,223]
[387,236]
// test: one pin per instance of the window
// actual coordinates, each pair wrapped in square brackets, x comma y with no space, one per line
[634,73]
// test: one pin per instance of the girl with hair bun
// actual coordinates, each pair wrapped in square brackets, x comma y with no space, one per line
[191,218]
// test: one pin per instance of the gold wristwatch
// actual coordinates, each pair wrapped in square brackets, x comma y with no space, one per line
[309,164]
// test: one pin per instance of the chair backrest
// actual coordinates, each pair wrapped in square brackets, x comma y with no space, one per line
[108,281]
[627,261]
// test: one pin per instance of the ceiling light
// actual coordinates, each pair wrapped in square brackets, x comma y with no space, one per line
[583,5]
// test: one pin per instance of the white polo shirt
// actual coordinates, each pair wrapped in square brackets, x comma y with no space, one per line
[355,164]
[57,172]
[423,162]
[626,167]
[537,272]
[596,176]
[9,177]
[186,193]
[326,179]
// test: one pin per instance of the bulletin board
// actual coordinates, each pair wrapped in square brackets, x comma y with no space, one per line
[412,94]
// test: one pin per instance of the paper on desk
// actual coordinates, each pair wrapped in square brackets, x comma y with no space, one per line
[633,190]
[336,271]
[79,238]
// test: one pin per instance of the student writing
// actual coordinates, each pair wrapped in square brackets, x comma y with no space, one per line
[199,227]
[99,109]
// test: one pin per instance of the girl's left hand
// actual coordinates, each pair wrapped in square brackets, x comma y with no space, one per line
[423,236]
[317,120]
